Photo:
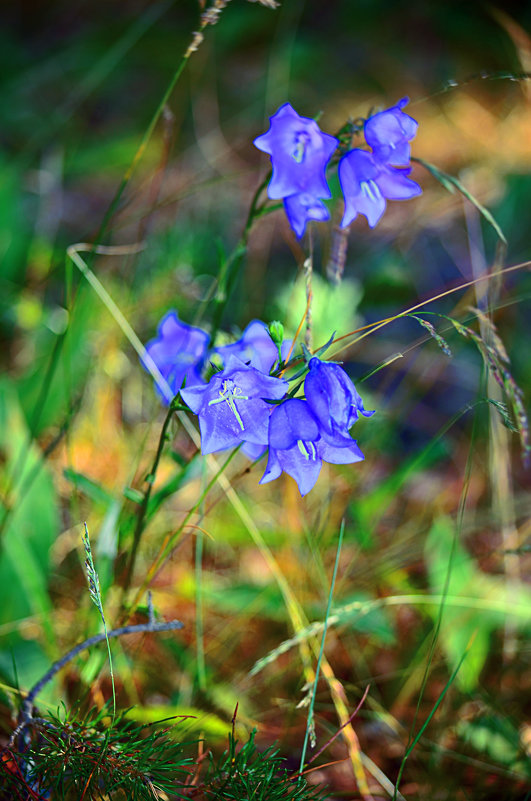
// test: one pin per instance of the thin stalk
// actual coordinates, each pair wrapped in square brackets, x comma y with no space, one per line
[73,253]
[95,594]
[338,732]
[196,41]
[438,624]
[199,618]
[360,608]
[500,472]
[310,722]
[150,479]
[228,272]
[94,77]
[436,705]
[372,327]
[308,273]
[170,540]
[299,621]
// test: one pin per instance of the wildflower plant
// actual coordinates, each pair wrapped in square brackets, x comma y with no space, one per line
[246,404]
[271,397]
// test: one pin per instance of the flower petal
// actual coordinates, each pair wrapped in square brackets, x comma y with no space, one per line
[340,454]
[302,208]
[291,421]
[395,184]
[302,463]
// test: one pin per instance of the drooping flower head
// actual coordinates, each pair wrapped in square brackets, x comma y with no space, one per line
[297,448]
[299,153]
[178,351]
[255,347]
[333,399]
[231,407]
[302,208]
[389,133]
[367,183]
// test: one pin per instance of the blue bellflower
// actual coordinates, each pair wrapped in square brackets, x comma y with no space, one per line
[389,133]
[299,153]
[178,350]
[255,347]
[302,208]
[367,183]
[231,407]
[333,400]
[297,448]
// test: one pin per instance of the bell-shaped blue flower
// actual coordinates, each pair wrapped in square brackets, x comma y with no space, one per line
[367,183]
[389,133]
[302,208]
[299,153]
[255,347]
[297,448]
[178,351]
[333,400]
[231,407]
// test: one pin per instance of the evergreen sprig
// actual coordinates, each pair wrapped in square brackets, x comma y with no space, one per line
[247,773]
[70,756]
[75,756]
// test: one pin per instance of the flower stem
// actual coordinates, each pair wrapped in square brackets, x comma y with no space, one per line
[308,273]
[140,523]
[310,723]
[170,540]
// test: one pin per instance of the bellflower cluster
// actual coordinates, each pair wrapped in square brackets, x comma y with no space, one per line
[300,153]
[244,405]
[369,179]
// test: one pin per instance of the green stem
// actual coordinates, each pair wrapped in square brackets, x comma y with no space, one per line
[150,479]
[199,619]
[196,41]
[230,267]
[309,724]
[412,745]
[462,504]
[169,544]
[308,273]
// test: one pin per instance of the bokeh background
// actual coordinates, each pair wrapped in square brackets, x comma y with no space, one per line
[443,481]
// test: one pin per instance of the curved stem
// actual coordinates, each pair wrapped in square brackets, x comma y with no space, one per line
[228,271]
[149,627]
